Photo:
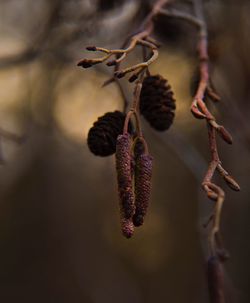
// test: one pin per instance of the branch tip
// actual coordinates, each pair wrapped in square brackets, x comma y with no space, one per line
[231,183]
[91,48]
[225,135]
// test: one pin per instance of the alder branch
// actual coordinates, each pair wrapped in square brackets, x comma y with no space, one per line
[141,37]
[198,108]
[200,111]
[214,192]
[136,40]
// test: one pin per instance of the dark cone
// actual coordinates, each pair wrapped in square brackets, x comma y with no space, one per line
[157,103]
[103,134]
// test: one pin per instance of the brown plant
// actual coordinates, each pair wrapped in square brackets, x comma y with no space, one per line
[199,108]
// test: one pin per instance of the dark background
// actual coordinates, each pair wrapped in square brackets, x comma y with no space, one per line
[60,237]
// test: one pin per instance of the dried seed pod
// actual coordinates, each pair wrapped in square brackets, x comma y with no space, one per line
[102,136]
[157,103]
[215,278]
[124,180]
[143,175]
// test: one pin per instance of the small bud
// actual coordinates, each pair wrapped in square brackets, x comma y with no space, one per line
[213,95]
[111,63]
[91,48]
[119,74]
[85,63]
[133,78]
[232,183]
[225,135]
[212,195]
[215,277]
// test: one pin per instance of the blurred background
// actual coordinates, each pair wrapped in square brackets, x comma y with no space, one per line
[60,238]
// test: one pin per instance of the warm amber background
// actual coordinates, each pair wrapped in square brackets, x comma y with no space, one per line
[59,227]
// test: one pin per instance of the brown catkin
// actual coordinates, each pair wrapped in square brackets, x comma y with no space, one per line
[143,174]
[124,180]
[127,227]
[215,278]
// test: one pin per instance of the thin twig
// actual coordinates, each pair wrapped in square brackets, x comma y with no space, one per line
[173,13]
[200,110]
[11,136]
[141,37]
[135,110]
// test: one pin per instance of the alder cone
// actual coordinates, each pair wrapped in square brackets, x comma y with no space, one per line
[157,103]
[103,134]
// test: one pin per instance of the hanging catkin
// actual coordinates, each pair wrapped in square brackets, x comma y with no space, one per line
[125,184]
[142,182]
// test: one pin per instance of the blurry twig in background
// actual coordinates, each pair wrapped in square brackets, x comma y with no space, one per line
[11,137]
[186,152]
[37,46]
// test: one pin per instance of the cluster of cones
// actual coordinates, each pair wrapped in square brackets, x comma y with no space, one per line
[133,163]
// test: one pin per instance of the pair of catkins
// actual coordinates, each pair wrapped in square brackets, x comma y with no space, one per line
[133,162]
